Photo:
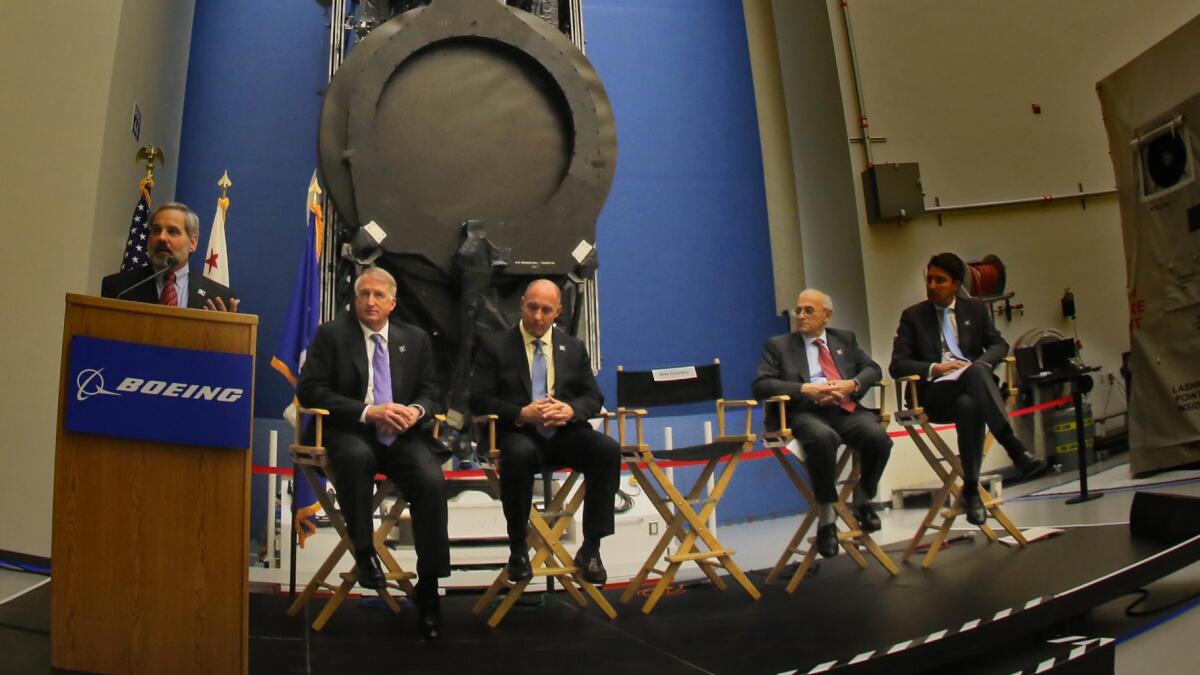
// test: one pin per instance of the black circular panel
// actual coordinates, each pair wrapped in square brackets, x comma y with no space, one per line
[473,128]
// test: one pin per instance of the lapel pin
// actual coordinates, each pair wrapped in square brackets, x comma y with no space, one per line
[403,348]
[840,352]
[562,348]
[967,322]
[200,291]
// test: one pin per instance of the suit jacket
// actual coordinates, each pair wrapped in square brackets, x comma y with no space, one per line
[334,374]
[500,382]
[918,341]
[783,369]
[200,288]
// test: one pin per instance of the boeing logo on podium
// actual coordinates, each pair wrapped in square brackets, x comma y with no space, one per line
[89,383]
[155,393]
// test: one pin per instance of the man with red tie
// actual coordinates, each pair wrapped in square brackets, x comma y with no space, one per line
[174,233]
[826,373]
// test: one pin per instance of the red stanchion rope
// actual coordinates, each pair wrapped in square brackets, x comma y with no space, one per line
[755,454]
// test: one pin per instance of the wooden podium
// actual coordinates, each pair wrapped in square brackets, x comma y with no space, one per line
[149,557]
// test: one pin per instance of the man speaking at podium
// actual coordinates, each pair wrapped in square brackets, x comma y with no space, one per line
[174,233]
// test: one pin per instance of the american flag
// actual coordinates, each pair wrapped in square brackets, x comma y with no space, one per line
[136,256]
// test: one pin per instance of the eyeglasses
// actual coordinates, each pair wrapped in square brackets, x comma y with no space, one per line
[806,310]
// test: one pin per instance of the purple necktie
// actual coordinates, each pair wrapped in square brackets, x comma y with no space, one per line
[381,389]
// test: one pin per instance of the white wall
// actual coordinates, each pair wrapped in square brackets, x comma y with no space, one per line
[950,85]
[66,168]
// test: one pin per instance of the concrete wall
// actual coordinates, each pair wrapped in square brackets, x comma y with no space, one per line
[70,72]
[951,85]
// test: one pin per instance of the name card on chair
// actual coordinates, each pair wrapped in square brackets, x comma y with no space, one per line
[672,374]
[151,393]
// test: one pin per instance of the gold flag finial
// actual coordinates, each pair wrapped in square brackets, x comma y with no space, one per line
[225,184]
[150,154]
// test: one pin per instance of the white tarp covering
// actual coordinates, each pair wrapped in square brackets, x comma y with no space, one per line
[1152,113]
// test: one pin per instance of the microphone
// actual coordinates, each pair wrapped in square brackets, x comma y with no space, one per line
[171,263]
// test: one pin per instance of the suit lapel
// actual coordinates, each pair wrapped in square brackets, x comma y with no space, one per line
[396,352]
[517,348]
[965,316]
[357,348]
[800,356]
[837,349]
[560,352]
[935,321]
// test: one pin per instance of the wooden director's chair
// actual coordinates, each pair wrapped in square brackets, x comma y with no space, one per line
[311,459]
[852,535]
[684,523]
[546,528]
[946,464]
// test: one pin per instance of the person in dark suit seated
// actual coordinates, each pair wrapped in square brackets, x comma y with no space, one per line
[949,340]
[825,373]
[375,377]
[174,233]
[539,381]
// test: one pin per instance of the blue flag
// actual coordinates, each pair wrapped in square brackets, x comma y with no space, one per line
[304,315]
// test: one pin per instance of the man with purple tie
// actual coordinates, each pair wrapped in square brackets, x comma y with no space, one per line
[375,377]
[825,373]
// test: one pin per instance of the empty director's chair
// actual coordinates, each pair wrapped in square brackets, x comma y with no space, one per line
[312,461]
[946,464]
[685,523]
[550,559]
[851,536]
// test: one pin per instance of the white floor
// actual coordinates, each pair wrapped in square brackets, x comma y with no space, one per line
[1164,648]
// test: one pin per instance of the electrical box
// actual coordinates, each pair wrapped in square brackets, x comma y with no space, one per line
[893,192]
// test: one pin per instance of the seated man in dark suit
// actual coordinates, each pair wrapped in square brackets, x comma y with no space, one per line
[825,373]
[174,233]
[375,377]
[941,336]
[539,381]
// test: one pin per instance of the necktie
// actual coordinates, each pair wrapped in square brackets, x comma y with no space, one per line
[538,382]
[831,371]
[949,337]
[169,296]
[381,383]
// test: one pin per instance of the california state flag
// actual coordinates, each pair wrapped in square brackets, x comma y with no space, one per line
[216,259]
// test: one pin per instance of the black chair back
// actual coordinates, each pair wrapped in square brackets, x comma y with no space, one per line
[669,386]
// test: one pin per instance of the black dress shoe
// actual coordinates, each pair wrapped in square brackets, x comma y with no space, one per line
[973,505]
[429,611]
[1030,467]
[370,574]
[827,540]
[518,567]
[867,518]
[591,568]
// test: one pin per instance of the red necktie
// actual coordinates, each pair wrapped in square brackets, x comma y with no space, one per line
[169,296]
[831,371]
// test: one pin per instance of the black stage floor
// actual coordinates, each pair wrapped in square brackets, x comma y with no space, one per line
[981,608]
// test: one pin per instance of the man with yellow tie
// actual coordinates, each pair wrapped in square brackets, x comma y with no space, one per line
[825,373]
[539,381]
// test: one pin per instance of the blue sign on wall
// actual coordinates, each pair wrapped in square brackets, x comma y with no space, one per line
[152,393]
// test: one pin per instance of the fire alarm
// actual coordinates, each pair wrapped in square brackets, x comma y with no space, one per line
[1037,109]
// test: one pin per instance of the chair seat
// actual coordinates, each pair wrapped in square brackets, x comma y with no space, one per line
[700,452]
